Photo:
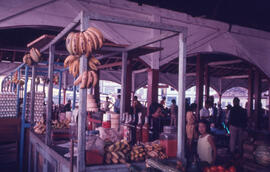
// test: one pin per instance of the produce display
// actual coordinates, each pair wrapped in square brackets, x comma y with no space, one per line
[33,56]
[39,128]
[87,79]
[154,150]
[122,152]
[117,152]
[219,169]
[60,124]
[137,153]
[83,43]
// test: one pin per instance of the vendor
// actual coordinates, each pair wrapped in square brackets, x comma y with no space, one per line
[67,107]
[155,118]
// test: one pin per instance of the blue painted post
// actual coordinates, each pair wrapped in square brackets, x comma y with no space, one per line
[18,95]
[11,84]
[23,119]
[74,96]
[60,87]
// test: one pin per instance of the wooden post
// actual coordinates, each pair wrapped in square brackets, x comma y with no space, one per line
[82,106]
[257,92]
[123,83]
[152,91]
[199,84]
[65,87]
[250,93]
[97,90]
[206,81]
[32,104]
[128,86]
[219,98]
[60,88]
[50,95]
[181,129]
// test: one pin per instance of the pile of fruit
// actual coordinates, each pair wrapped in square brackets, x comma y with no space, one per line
[155,151]
[83,43]
[117,152]
[137,153]
[122,152]
[60,125]
[33,56]
[39,128]
[219,169]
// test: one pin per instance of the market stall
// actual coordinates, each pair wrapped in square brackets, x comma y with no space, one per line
[119,150]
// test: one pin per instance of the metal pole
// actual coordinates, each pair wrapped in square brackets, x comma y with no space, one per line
[23,119]
[181,98]
[82,106]
[32,105]
[60,87]
[18,94]
[123,82]
[50,94]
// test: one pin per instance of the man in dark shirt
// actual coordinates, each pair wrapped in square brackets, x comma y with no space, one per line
[237,123]
[67,107]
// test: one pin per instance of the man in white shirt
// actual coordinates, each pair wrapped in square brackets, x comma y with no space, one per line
[204,112]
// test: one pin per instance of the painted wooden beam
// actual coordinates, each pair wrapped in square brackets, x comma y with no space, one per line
[181,117]
[257,96]
[123,83]
[206,81]
[152,91]
[32,104]
[128,87]
[199,84]
[250,92]
[190,74]
[224,62]
[50,96]
[235,77]
[63,33]
[110,65]
[82,104]
[150,41]
[137,23]
[26,7]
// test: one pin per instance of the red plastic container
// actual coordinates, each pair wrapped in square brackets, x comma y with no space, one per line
[93,157]
[168,140]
